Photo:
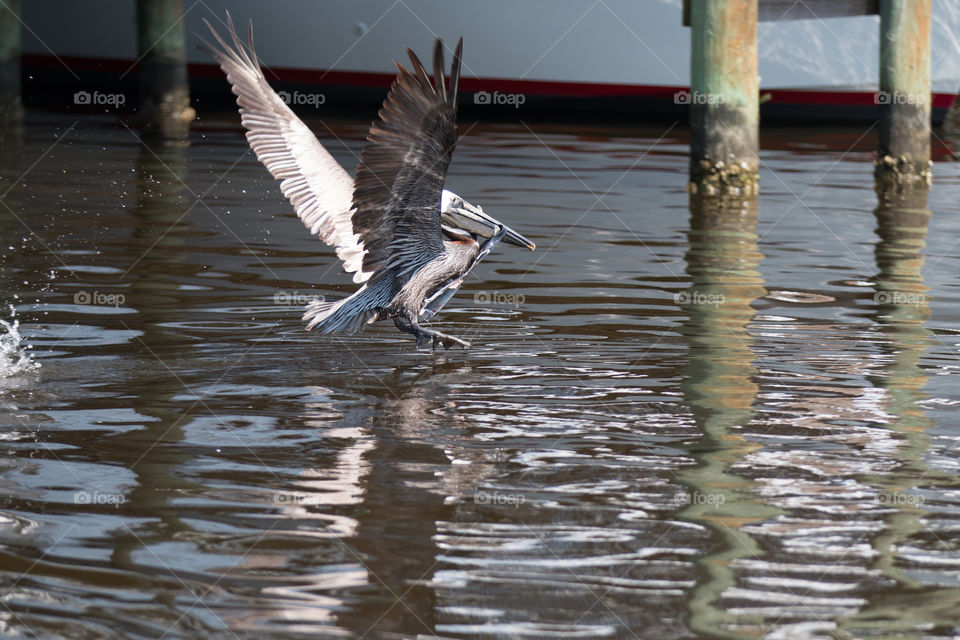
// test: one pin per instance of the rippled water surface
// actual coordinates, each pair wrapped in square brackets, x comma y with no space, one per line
[678,419]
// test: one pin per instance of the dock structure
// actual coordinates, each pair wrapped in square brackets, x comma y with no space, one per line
[11,109]
[724,97]
[904,96]
[724,91]
[165,111]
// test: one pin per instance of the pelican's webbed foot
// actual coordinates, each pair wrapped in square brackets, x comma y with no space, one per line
[426,335]
[447,341]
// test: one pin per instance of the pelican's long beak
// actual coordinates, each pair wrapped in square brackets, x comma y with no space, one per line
[471,218]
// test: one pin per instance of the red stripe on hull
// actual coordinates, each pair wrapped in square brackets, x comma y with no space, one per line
[822,97]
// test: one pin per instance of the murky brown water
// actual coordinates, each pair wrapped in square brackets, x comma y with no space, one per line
[675,422]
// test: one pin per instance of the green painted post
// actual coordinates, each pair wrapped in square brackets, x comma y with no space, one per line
[724,97]
[165,111]
[10,105]
[904,96]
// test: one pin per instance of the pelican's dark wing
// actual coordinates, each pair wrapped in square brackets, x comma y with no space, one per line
[314,182]
[396,198]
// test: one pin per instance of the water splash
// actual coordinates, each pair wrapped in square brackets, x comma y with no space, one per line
[14,352]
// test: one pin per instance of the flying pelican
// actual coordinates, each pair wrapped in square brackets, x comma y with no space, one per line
[406,238]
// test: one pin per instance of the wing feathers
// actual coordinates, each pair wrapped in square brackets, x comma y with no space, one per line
[314,182]
[401,174]
[455,73]
[438,68]
[391,212]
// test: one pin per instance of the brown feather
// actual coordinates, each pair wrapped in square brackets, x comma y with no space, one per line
[401,173]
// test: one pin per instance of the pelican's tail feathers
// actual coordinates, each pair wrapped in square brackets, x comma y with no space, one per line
[348,315]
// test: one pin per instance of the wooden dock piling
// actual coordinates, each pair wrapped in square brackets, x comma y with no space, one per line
[904,96]
[165,111]
[724,97]
[11,109]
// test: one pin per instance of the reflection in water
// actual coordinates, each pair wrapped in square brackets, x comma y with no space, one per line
[14,357]
[396,527]
[587,470]
[154,228]
[13,230]
[312,516]
[904,552]
[720,390]
[11,147]
[820,499]
[903,307]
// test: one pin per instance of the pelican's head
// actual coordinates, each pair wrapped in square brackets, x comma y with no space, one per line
[457,213]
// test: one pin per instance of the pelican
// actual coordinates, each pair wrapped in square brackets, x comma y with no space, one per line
[409,241]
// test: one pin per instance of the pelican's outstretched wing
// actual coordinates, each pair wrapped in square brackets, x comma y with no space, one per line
[314,182]
[397,193]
